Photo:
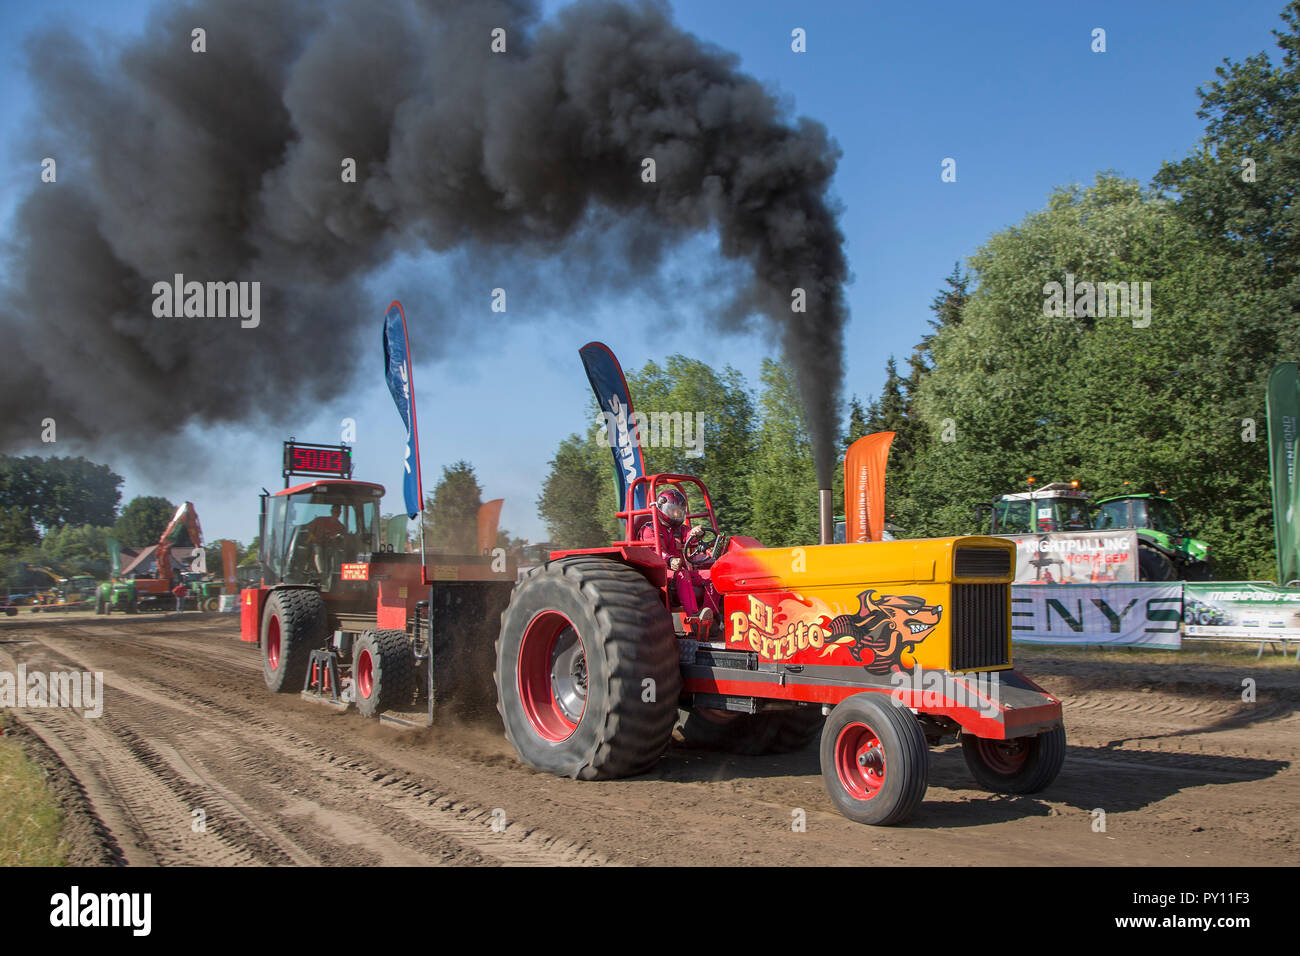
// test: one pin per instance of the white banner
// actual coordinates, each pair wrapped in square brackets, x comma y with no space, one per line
[1076,557]
[1147,613]
[1241,609]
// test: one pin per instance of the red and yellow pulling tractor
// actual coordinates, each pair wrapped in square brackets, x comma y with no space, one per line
[884,648]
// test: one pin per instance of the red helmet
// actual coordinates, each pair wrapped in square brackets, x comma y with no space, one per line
[671,504]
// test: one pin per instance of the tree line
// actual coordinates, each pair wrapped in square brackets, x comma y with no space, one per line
[59,513]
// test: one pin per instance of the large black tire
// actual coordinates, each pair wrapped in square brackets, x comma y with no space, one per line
[875,762]
[131,606]
[100,606]
[1020,765]
[383,672]
[580,642]
[293,625]
[773,732]
[1153,565]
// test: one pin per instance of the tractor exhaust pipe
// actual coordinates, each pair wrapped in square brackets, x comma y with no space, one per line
[826,514]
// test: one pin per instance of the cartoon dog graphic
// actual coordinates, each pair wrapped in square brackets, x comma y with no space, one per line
[885,627]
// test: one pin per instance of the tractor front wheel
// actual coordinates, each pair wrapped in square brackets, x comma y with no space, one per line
[383,672]
[293,625]
[874,760]
[587,670]
[1019,765]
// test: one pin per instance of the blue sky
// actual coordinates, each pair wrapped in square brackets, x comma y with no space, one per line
[1011,91]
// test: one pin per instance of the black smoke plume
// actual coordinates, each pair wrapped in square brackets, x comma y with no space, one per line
[225,165]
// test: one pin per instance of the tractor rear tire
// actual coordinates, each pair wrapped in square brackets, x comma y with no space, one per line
[131,606]
[793,730]
[588,674]
[1020,765]
[293,625]
[773,732]
[875,762]
[383,672]
[100,607]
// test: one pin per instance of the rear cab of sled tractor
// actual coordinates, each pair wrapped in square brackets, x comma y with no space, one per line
[884,649]
[340,619]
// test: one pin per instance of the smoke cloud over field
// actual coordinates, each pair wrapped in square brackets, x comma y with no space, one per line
[225,166]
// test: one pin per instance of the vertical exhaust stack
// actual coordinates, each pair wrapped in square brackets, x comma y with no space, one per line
[826,515]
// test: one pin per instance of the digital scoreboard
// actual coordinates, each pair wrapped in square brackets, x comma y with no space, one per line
[316,461]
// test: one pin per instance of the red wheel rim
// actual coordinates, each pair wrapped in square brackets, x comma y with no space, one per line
[273,643]
[860,761]
[1006,757]
[552,676]
[365,673]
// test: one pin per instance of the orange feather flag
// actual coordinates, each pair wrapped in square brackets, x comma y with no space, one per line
[864,487]
[489,516]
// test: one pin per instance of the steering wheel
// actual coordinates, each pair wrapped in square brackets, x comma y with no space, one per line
[700,545]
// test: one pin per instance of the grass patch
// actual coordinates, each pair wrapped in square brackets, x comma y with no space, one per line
[30,820]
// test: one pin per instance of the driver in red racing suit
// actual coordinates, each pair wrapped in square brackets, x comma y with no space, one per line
[674,540]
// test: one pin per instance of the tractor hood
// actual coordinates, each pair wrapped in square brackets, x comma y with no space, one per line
[975,557]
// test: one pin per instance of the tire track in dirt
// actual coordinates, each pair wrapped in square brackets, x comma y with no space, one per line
[362,805]
[1184,775]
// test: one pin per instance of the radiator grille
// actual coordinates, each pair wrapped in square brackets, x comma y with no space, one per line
[982,562]
[979,625]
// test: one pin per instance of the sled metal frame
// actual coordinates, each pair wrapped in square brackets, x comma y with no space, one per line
[322,674]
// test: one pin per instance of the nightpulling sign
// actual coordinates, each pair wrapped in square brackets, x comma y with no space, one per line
[1147,613]
[1076,557]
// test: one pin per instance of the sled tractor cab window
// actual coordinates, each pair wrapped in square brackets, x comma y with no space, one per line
[1072,516]
[1043,513]
[1012,517]
[312,530]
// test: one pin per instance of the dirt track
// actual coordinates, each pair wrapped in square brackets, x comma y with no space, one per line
[1186,773]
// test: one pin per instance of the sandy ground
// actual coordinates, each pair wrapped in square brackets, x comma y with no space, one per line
[194,762]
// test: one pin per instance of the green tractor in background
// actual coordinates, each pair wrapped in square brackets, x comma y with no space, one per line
[200,595]
[1166,552]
